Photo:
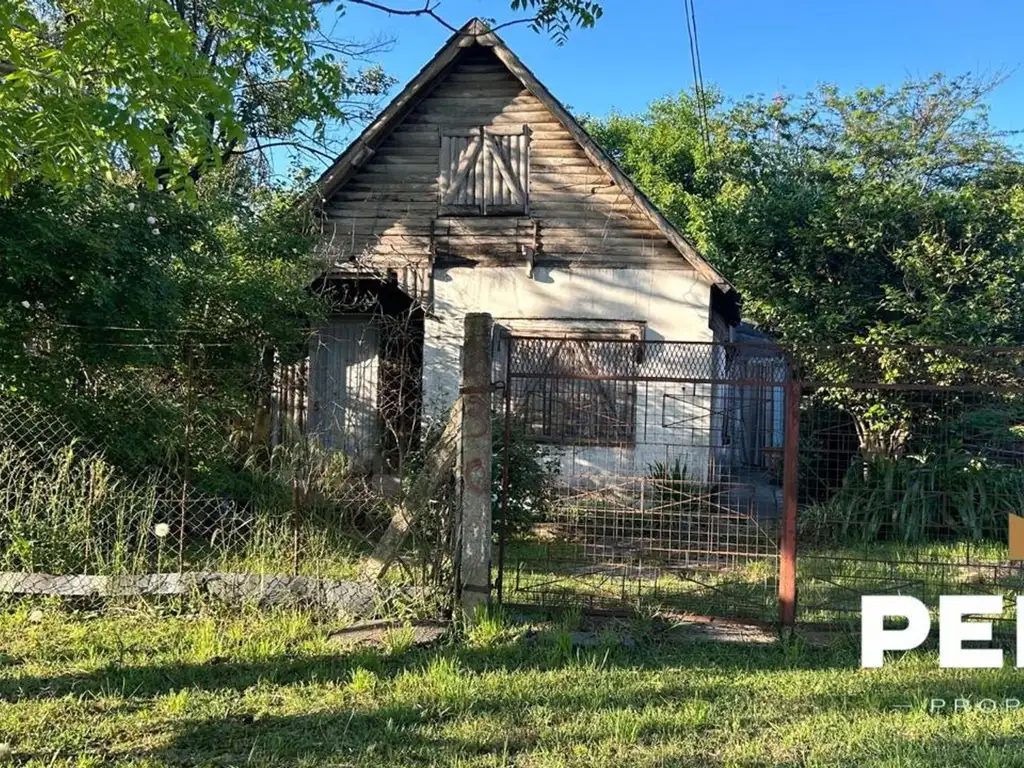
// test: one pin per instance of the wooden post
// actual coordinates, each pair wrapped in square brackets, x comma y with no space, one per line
[475,514]
[790,477]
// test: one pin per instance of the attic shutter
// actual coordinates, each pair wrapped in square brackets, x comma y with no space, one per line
[484,172]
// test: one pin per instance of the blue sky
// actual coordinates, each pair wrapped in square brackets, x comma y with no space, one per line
[638,51]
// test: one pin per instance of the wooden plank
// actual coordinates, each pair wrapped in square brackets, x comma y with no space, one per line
[468,242]
[551,130]
[406,162]
[555,164]
[429,153]
[469,117]
[492,185]
[378,228]
[461,92]
[369,208]
[664,261]
[480,223]
[386,176]
[599,232]
[572,175]
[353,243]
[523,161]
[587,213]
[460,76]
[439,464]
[445,180]
[484,67]
[494,256]
[389,187]
[405,141]
[611,245]
[502,166]
[560,146]
[472,194]
[367,195]
[451,102]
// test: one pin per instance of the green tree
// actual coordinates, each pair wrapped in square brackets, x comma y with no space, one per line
[174,88]
[851,222]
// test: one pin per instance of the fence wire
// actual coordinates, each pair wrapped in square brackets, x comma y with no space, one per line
[667,486]
[629,473]
[189,471]
[671,457]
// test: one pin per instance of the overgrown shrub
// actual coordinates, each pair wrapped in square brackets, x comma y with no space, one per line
[71,512]
[67,513]
[917,498]
[532,469]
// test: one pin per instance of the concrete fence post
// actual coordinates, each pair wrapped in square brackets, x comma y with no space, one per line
[475,466]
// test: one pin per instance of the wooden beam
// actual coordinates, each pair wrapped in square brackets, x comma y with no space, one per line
[438,467]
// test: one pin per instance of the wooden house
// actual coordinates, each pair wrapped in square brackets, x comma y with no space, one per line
[476,190]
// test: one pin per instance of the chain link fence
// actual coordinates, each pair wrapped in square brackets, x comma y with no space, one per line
[626,472]
[176,465]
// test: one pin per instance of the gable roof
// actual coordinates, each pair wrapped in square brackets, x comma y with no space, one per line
[476,32]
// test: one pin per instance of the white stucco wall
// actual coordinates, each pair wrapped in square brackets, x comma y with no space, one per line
[674,305]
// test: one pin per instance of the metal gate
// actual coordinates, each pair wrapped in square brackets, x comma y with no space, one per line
[664,489]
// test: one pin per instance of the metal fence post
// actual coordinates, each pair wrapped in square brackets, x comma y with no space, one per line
[790,478]
[475,516]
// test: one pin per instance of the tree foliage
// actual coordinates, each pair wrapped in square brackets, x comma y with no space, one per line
[108,273]
[850,221]
[174,88]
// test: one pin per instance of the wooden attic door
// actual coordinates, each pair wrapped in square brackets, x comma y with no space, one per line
[484,172]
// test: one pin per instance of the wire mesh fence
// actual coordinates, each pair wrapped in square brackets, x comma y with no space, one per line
[671,461]
[908,490]
[667,484]
[629,474]
[184,466]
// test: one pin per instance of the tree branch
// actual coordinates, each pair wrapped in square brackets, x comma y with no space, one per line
[514,22]
[259,147]
[426,10]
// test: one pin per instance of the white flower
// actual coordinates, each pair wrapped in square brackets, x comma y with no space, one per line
[156,231]
[131,206]
[26,305]
[151,220]
[161,530]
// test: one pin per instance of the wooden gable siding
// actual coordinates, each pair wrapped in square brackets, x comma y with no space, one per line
[388,212]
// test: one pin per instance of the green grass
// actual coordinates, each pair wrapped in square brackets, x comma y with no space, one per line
[830,580]
[158,688]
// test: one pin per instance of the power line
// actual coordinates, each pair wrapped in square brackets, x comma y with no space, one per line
[698,75]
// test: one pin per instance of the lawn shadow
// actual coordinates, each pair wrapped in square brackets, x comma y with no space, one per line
[457,719]
[548,649]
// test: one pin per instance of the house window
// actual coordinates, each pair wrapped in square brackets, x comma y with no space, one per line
[484,172]
[575,385]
